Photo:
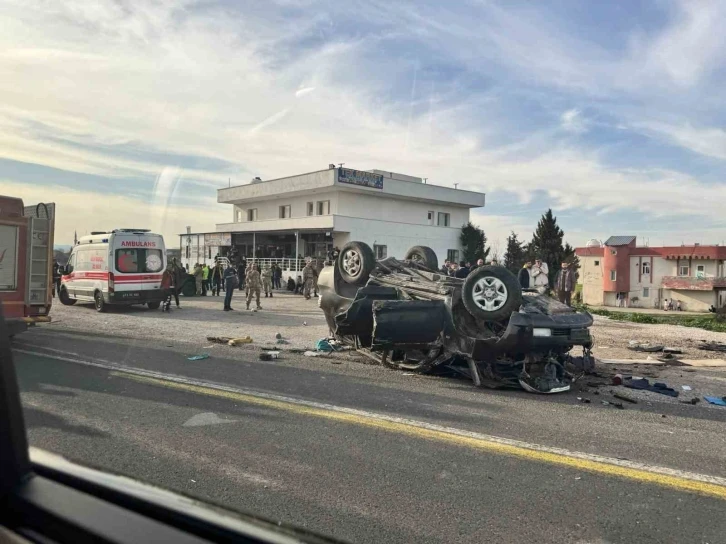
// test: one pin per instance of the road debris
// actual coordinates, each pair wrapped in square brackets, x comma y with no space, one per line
[625,398]
[712,346]
[219,339]
[584,400]
[718,401]
[694,401]
[278,336]
[618,405]
[647,347]
[311,354]
[657,387]
[239,341]
[198,357]
[686,387]
[674,351]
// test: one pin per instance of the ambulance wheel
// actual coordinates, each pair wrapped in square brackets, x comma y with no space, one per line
[98,302]
[65,299]
[154,305]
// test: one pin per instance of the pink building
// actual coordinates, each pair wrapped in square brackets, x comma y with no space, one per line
[645,276]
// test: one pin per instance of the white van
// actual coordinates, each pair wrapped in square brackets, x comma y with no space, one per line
[123,266]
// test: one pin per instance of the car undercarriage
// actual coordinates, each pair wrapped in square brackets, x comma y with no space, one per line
[410,316]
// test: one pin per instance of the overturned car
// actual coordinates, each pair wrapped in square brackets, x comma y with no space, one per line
[486,327]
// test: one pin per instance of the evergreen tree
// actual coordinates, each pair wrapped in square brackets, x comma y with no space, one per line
[473,242]
[516,253]
[547,245]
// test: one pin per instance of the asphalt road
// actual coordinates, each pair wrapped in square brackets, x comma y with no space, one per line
[371,455]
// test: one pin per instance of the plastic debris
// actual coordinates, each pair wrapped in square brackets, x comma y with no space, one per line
[324,345]
[718,401]
[239,341]
[686,387]
[198,357]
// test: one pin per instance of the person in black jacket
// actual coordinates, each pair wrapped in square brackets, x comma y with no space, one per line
[523,276]
[463,271]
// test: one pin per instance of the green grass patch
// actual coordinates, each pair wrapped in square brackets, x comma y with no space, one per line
[705,322]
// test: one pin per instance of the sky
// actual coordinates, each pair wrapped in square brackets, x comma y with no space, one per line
[131,113]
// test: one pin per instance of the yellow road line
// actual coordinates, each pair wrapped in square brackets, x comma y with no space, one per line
[666,480]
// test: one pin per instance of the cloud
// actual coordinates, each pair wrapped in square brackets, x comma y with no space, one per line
[710,142]
[572,121]
[86,211]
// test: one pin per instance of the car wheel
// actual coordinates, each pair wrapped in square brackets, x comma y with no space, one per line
[99,302]
[355,262]
[425,256]
[65,298]
[491,293]
[154,305]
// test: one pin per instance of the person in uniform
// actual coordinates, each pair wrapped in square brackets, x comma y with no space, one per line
[266,276]
[315,277]
[198,278]
[217,273]
[253,285]
[308,279]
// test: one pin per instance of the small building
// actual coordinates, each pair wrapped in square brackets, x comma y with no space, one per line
[307,215]
[619,270]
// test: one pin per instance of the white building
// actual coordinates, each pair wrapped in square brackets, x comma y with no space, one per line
[308,214]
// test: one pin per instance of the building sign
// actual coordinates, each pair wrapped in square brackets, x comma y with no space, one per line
[218,239]
[358,177]
[8,257]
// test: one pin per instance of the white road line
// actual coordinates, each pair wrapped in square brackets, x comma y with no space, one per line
[108,365]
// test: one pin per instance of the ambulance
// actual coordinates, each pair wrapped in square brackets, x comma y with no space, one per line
[123,266]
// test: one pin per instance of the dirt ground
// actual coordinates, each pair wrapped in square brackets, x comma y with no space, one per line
[612,338]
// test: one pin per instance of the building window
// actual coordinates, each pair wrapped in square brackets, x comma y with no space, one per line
[239,216]
[597,263]
[646,268]
[683,270]
[443,219]
[701,271]
[646,292]
[452,255]
[381,252]
[324,207]
[430,217]
[613,275]
[311,209]
[252,214]
[285,212]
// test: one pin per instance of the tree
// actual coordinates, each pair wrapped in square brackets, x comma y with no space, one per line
[547,245]
[516,253]
[473,241]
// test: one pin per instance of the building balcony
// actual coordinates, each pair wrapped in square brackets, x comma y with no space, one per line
[315,222]
[685,283]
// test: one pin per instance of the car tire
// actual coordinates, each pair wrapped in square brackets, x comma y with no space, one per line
[491,293]
[65,298]
[423,255]
[355,262]
[154,305]
[98,302]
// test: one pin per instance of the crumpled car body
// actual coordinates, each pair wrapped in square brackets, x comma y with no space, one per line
[415,319]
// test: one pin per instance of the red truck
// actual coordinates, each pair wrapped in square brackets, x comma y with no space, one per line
[26,261]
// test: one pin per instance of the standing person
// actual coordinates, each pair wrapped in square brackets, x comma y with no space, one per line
[167,282]
[230,280]
[565,282]
[198,278]
[463,271]
[523,275]
[217,275]
[307,277]
[277,278]
[679,308]
[242,271]
[205,279]
[445,267]
[479,262]
[56,278]
[254,283]
[178,275]
[266,276]
[539,272]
